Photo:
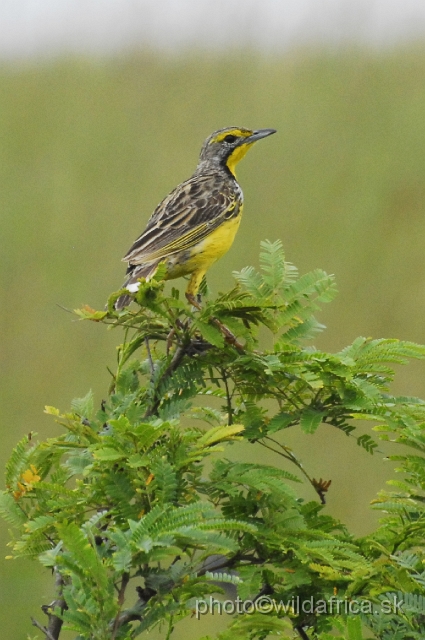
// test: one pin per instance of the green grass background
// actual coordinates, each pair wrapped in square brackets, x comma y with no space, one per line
[89,147]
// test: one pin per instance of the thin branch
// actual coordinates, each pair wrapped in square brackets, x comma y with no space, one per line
[135,612]
[229,337]
[301,633]
[229,397]
[113,381]
[283,393]
[290,456]
[55,623]
[169,342]
[177,358]
[266,590]
[148,349]
[66,309]
[43,629]
[121,595]
[170,628]
[228,563]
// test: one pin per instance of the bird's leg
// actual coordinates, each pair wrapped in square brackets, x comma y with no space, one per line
[193,300]
[228,335]
[192,294]
[170,337]
[193,297]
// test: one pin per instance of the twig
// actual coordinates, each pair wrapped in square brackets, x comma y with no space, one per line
[177,358]
[124,582]
[170,628]
[113,381]
[43,629]
[218,563]
[290,456]
[266,590]
[135,613]
[229,337]
[148,349]
[55,623]
[65,308]
[229,398]
[301,633]
[170,340]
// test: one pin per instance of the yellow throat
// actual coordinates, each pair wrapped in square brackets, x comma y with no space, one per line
[237,155]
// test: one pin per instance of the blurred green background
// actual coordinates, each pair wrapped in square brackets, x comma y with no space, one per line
[89,147]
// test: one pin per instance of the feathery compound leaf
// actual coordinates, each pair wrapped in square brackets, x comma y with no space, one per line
[82,553]
[139,515]
[407,560]
[222,577]
[317,283]
[210,333]
[146,523]
[305,330]
[17,462]
[219,434]
[276,272]
[165,481]
[252,281]
[310,420]
[108,454]
[168,519]
[262,478]
[354,628]
[367,443]
[84,407]
[280,421]
[10,510]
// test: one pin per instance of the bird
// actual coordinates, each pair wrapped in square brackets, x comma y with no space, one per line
[196,223]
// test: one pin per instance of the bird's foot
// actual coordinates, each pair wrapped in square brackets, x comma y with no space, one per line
[229,337]
[195,301]
[169,342]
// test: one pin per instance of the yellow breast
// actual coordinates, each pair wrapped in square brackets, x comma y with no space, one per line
[203,254]
[206,252]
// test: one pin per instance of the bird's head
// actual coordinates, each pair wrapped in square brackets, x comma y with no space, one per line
[226,147]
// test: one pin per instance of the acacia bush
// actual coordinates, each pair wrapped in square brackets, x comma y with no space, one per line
[141,507]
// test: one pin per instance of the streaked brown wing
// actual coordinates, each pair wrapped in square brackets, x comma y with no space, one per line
[186,216]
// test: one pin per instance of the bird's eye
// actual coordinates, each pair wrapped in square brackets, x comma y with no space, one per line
[230,139]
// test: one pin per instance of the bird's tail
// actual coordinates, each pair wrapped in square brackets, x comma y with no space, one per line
[140,271]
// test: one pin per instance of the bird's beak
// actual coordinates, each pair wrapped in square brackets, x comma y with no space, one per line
[257,135]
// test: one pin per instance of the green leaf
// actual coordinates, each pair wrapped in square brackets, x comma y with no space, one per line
[310,420]
[367,443]
[280,421]
[276,272]
[122,559]
[17,462]
[219,434]
[108,453]
[82,553]
[219,576]
[354,628]
[210,333]
[84,406]
[165,482]
[140,493]
[49,558]
[10,510]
